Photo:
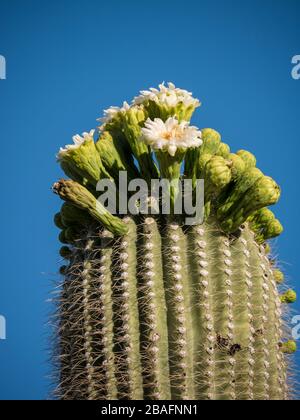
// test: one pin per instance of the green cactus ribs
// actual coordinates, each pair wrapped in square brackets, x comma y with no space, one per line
[151,307]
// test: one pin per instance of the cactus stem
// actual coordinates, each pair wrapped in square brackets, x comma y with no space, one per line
[155,356]
[127,334]
[228,263]
[205,347]
[178,300]
[65,341]
[250,339]
[222,292]
[86,279]
[76,327]
[261,309]
[282,387]
[73,329]
[268,321]
[105,284]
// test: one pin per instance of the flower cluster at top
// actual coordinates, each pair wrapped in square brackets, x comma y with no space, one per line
[150,139]
[167,113]
[165,120]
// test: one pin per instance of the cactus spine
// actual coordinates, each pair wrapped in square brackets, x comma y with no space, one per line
[152,308]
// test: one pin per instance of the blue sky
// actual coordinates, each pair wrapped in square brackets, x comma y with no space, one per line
[67,61]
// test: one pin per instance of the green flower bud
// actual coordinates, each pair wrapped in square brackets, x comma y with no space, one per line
[63,269]
[217,172]
[197,158]
[289,347]
[248,158]
[58,221]
[72,172]
[113,157]
[62,237]
[278,276]
[79,196]
[244,183]
[217,175]
[238,166]
[159,110]
[289,297]
[115,128]
[262,217]
[223,151]
[72,215]
[82,158]
[263,222]
[65,252]
[259,222]
[133,120]
[72,233]
[202,161]
[264,192]
[272,230]
[211,141]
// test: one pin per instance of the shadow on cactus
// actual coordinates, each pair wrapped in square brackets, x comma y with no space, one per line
[150,307]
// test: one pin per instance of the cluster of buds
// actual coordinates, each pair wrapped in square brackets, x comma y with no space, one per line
[150,139]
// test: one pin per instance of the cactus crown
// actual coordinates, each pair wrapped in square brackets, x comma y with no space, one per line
[151,308]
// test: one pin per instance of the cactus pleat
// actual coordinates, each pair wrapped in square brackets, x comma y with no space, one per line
[151,308]
[126,318]
[179,292]
[153,314]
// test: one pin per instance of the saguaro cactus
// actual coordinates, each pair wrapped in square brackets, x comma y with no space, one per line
[151,307]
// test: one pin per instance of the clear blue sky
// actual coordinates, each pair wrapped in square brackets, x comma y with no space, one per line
[69,59]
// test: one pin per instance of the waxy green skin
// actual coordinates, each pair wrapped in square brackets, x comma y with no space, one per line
[153,309]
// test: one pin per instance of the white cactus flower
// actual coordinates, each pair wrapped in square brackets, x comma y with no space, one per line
[170,135]
[111,112]
[78,141]
[167,95]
